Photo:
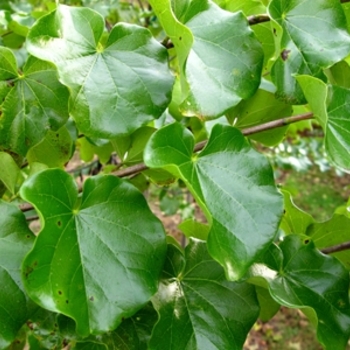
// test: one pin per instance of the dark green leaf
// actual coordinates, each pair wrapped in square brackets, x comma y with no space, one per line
[15,241]
[305,278]
[314,38]
[36,103]
[268,306]
[225,62]
[198,308]
[92,261]
[232,183]
[133,333]
[114,89]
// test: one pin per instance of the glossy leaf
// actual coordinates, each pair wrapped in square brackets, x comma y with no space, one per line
[9,173]
[227,171]
[92,261]
[331,233]
[36,102]
[331,105]
[225,62]
[305,278]
[54,151]
[198,308]
[295,220]
[15,241]
[314,38]
[115,88]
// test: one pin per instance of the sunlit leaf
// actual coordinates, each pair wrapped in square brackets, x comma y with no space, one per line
[225,62]
[114,88]
[227,171]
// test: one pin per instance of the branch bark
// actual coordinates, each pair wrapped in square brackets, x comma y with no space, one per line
[336,248]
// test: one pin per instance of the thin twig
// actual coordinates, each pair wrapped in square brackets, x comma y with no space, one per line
[135,169]
[336,248]
[256,19]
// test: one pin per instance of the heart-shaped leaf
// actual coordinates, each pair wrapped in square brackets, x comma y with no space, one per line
[15,241]
[227,171]
[314,37]
[92,261]
[114,89]
[225,62]
[198,308]
[33,102]
[302,277]
[330,105]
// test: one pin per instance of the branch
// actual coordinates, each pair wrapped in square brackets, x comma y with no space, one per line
[135,169]
[256,19]
[336,248]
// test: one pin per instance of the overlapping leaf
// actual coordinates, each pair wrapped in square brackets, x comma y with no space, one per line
[10,172]
[114,89]
[261,108]
[232,183]
[295,220]
[332,233]
[15,241]
[198,308]
[301,277]
[225,61]
[92,261]
[314,37]
[331,107]
[33,102]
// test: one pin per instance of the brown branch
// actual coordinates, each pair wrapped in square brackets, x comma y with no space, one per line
[135,169]
[256,19]
[336,248]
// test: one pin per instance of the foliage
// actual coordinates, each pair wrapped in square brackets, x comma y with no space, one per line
[187,93]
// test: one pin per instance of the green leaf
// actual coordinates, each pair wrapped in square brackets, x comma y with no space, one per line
[227,171]
[339,74]
[268,306]
[307,278]
[133,334]
[261,108]
[54,151]
[194,298]
[92,261]
[295,220]
[314,37]
[88,150]
[330,105]
[225,62]
[9,173]
[331,233]
[178,33]
[36,102]
[114,89]
[15,241]
[192,228]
